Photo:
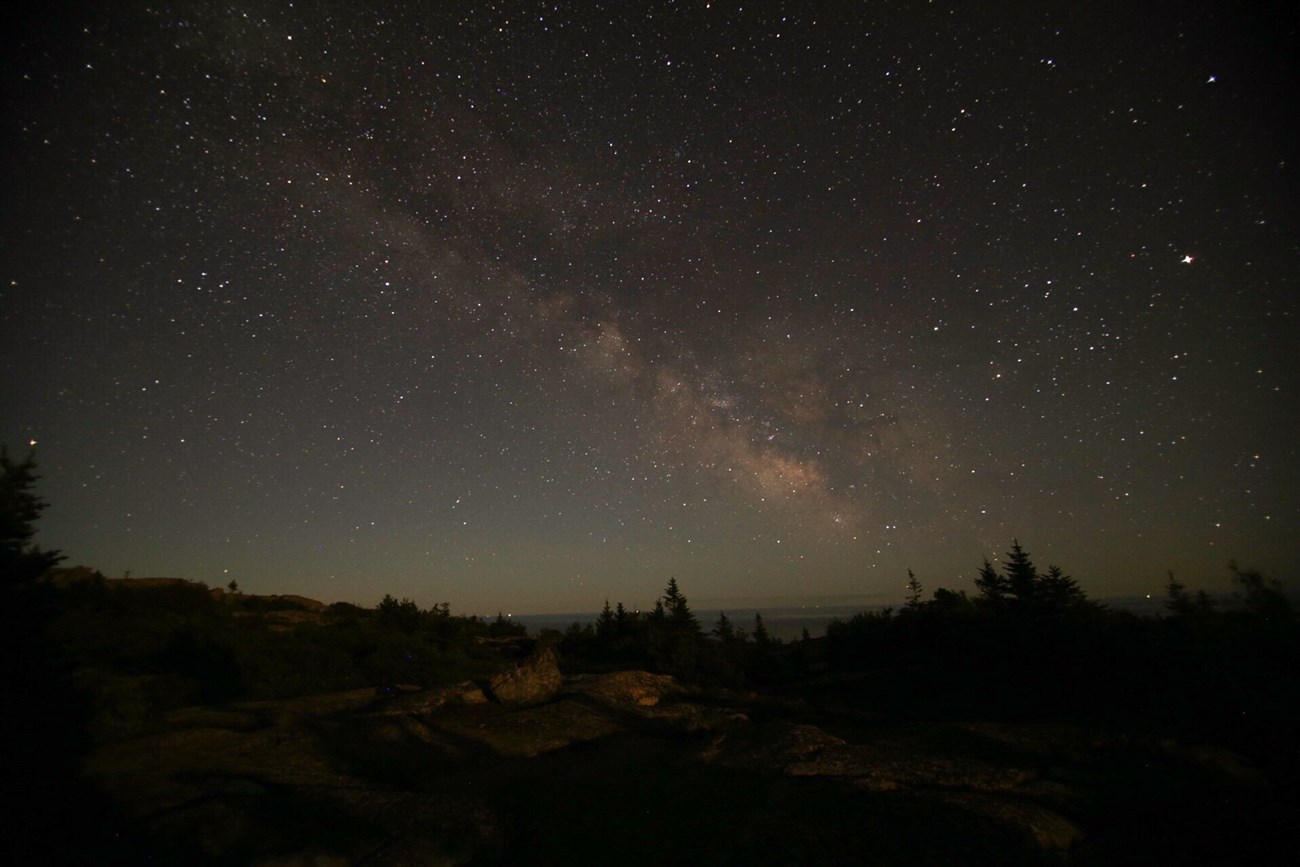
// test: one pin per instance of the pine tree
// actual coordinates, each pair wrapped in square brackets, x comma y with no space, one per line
[991,585]
[950,603]
[724,631]
[1180,603]
[672,594]
[1059,590]
[913,591]
[1024,586]
[1177,601]
[403,615]
[1021,574]
[605,624]
[20,508]
[761,636]
[1262,596]
[680,617]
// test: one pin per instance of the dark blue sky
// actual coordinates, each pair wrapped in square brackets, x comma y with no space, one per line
[522,307]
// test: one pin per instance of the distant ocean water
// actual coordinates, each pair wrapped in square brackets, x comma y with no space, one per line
[788,622]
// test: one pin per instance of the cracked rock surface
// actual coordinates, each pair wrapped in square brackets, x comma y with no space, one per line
[636,764]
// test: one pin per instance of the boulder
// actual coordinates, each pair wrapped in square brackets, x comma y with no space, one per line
[534,680]
[429,700]
[777,746]
[689,718]
[801,750]
[532,731]
[312,783]
[626,690]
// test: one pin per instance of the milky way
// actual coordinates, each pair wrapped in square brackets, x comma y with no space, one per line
[526,306]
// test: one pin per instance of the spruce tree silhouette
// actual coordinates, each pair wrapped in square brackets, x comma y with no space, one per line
[1021,574]
[54,815]
[913,591]
[991,585]
[20,508]
[724,631]
[680,618]
[1261,596]
[1023,587]
[1058,590]
[606,624]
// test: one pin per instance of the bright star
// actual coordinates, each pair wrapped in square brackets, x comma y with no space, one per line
[1187,260]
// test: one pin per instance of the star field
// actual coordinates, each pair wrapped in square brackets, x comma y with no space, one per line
[524,305]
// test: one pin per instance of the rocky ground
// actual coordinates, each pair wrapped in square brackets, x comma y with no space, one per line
[633,768]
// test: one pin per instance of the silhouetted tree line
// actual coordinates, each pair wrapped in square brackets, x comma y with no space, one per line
[669,639]
[1030,643]
[107,659]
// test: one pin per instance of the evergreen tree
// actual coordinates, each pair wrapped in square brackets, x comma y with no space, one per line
[1058,590]
[579,632]
[724,631]
[1261,596]
[1180,603]
[991,585]
[913,591]
[1177,602]
[605,624]
[1021,574]
[20,560]
[499,628]
[949,603]
[404,615]
[672,594]
[680,617]
[761,636]
[1022,584]
[672,635]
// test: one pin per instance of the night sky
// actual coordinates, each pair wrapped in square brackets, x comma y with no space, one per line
[522,306]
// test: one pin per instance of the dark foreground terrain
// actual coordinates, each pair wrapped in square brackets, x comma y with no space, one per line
[632,768]
[159,721]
